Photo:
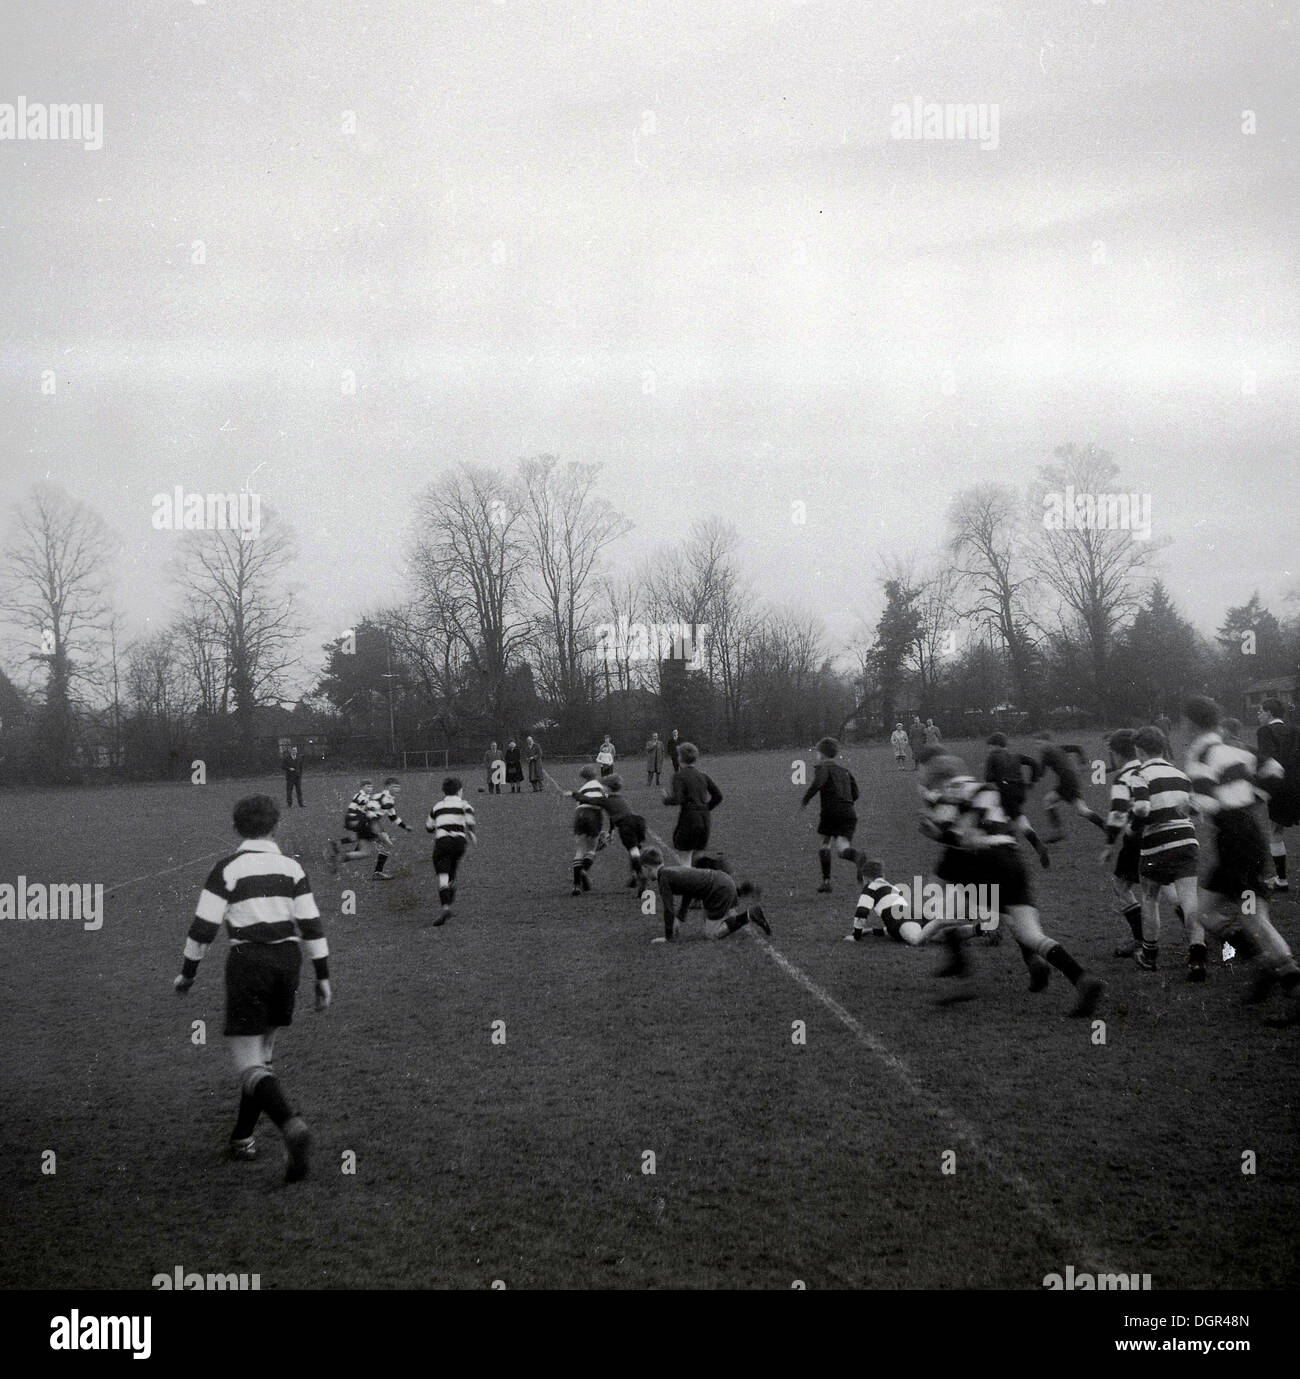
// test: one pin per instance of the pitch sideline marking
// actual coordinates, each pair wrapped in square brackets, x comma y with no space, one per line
[992,1160]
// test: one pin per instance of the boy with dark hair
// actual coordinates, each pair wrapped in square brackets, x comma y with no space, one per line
[712,885]
[837,791]
[696,797]
[358,829]
[1068,790]
[451,821]
[1008,771]
[264,900]
[383,808]
[979,848]
[630,827]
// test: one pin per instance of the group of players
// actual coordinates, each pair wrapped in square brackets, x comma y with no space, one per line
[264,900]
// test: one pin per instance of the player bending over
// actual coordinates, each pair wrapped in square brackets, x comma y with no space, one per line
[265,902]
[451,821]
[979,848]
[588,821]
[384,809]
[630,827]
[713,886]
[834,786]
[1056,758]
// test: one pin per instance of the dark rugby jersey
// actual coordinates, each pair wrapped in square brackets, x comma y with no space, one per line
[712,887]
[693,789]
[1005,767]
[837,788]
[261,896]
[1162,802]
[1056,759]
[616,807]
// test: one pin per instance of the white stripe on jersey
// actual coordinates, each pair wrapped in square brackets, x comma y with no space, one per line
[451,817]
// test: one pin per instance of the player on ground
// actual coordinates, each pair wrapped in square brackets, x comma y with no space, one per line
[712,885]
[898,740]
[383,807]
[588,821]
[451,821]
[883,909]
[265,902]
[1168,852]
[1056,758]
[1228,783]
[696,797]
[1279,742]
[979,848]
[834,786]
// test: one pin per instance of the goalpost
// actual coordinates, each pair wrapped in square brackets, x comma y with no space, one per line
[425,759]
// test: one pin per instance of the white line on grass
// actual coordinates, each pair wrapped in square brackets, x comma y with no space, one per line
[149,875]
[996,1163]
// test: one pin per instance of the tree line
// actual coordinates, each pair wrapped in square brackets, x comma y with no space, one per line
[519,616]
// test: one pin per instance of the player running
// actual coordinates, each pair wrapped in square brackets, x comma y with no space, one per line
[1227,784]
[264,901]
[1014,773]
[383,808]
[833,784]
[451,821]
[630,827]
[979,849]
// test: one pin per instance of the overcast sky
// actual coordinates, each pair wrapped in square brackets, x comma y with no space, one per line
[546,205]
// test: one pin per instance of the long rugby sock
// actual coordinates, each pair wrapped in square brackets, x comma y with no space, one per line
[1064,963]
[246,1121]
[577,873]
[1133,917]
[1027,953]
[1279,861]
[380,859]
[824,858]
[269,1096]
[1196,955]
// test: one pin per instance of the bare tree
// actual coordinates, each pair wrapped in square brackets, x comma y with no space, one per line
[567,527]
[234,586]
[1092,565]
[55,579]
[987,540]
[469,562]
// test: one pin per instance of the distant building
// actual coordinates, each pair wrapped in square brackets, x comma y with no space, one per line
[1281,687]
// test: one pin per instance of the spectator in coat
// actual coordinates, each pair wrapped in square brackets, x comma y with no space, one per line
[291,765]
[673,744]
[654,758]
[514,767]
[533,756]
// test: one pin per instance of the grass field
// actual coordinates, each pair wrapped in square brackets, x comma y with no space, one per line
[523,1162]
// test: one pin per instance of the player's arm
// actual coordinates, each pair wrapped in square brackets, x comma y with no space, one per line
[814,786]
[307,915]
[853,787]
[204,927]
[715,795]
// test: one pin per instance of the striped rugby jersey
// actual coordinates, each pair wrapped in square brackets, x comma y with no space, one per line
[1162,803]
[358,806]
[1224,777]
[877,897]
[967,814]
[589,795]
[1120,818]
[261,896]
[451,817]
[384,806]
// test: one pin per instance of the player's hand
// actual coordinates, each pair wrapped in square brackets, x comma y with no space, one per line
[182,985]
[323,995]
